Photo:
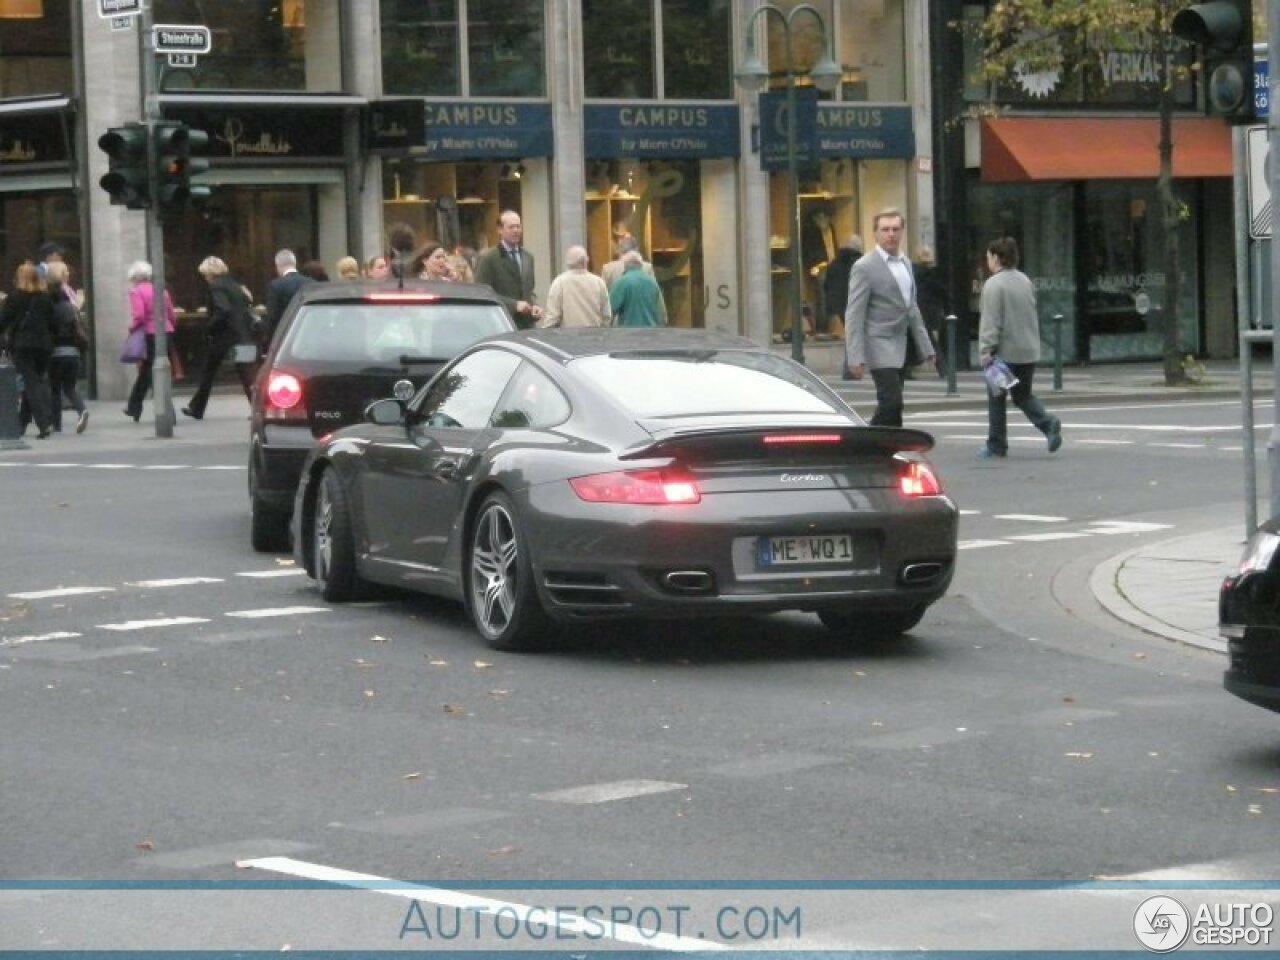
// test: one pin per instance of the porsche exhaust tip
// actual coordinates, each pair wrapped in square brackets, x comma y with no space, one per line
[688,581]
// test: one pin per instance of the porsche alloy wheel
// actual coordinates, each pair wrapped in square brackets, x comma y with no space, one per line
[502,596]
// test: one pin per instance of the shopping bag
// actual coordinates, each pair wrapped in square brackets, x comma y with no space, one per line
[999,377]
[135,347]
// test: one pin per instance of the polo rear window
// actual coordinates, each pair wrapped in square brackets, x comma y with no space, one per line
[344,332]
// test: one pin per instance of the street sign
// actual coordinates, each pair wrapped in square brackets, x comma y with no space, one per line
[176,38]
[185,61]
[1261,89]
[121,23]
[110,9]
[1259,186]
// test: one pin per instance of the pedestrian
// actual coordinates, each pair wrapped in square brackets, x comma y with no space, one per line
[1009,328]
[835,286]
[315,270]
[227,333]
[577,297]
[347,269]
[378,267]
[636,298]
[432,263]
[402,241]
[68,340]
[26,328]
[463,261]
[142,316]
[53,252]
[612,270]
[508,269]
[881,315]
[287,281]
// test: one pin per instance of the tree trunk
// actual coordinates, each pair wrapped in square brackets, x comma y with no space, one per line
[1170,218]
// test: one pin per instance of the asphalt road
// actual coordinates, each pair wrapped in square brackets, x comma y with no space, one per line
[202,706]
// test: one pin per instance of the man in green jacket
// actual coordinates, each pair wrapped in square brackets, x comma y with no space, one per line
[636,298]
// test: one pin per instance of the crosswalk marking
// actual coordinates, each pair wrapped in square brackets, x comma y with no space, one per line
[173,582]
[275,612]
[57,592]
[152,624]
[266,574]
[1031,518]
[37,638]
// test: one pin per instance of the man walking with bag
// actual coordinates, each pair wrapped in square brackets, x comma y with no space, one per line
[1010,328]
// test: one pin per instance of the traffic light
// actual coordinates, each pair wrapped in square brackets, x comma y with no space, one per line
[177,147]
[126,177]
[1224,30]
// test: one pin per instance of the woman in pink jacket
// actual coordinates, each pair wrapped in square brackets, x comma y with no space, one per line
[141,313]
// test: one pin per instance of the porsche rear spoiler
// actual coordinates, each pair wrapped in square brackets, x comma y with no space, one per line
[700,443]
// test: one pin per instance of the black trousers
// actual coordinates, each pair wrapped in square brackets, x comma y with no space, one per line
[888,381]
[33,368]
[63,374]
[216,357]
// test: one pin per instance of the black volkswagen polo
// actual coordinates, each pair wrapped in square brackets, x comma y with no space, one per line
[339,347]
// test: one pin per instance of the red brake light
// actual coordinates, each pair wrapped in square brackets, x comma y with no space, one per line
[775,439]
[638,486]
[918,480]
[400,296]
[284,397]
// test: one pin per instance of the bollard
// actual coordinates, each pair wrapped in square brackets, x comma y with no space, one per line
[949,332]
[1057,351]
[10,433]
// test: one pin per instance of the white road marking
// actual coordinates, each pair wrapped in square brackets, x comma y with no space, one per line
[275,612]
[1232,449]
[109,466]
[60,592]
[970,513]
[1111,527]
[979,544]
[173,582]
[151,624]
[1106,443]
[55,465]
[281,572]
[607,792]
[220,468]
[167,466]
[36,638]
[1180,446]
[529,917]
[1031,517]
[1045,537]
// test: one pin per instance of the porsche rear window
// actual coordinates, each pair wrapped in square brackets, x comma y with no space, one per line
[663,384]
[383,332]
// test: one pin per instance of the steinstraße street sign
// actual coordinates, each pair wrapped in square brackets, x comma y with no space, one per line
[110,9]
[1259,186]
[178,38]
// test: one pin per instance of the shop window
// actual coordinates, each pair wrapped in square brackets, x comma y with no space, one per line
[29,219]
[285,45]
[696,59]
[659,205]
[451,48]
[869,44]
[454,204]
[35,48]
[618,49]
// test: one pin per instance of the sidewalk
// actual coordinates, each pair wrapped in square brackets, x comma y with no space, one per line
[1168,588]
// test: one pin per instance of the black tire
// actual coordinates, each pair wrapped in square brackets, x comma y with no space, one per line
[269,526]
[333,544]
[501,595]
[872,624]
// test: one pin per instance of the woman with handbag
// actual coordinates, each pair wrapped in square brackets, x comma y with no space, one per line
[229,333]
[26,328]
[142,319]
[68,340]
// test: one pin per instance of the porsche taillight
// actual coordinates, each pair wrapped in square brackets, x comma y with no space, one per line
[665,486]
[284,397]
[916,479]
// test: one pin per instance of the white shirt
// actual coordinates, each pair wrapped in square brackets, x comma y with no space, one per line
[901,272]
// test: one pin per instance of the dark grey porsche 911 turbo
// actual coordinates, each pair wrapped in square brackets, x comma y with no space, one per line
[554,475]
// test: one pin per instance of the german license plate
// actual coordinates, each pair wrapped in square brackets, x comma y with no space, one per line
[786,551]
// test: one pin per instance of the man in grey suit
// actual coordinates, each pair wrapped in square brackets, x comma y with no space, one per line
[508,269]
[881,314]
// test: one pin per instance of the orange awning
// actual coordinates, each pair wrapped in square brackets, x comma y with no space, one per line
[1100,148]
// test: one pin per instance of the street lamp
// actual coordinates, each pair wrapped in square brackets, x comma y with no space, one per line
[753,75]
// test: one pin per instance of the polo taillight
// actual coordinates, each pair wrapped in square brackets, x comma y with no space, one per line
[284,397]
[917,479]
[665,486]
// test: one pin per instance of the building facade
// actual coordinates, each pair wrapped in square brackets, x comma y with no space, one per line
[1066,163]
[333,122]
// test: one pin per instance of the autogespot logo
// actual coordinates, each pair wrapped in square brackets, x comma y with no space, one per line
[1161,924]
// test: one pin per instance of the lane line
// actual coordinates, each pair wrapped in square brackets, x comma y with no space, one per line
[275,612]
[36,638]
[173,582]
[1046,537]
[60,592]
[980,544]
[151,624]
[1031,517]
[608,792]
[537,916]
[265,574]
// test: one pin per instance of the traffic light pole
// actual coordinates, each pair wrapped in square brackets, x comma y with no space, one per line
[161,371]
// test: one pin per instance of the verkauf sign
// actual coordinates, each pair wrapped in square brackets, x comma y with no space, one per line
[172,38]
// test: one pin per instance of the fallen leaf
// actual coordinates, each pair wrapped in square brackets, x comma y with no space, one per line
[502,851]
[454,710]
[1230,788]
[1139,656]
[370,693]
[482,665]
[145,845]
[412,776]
[1079,755]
